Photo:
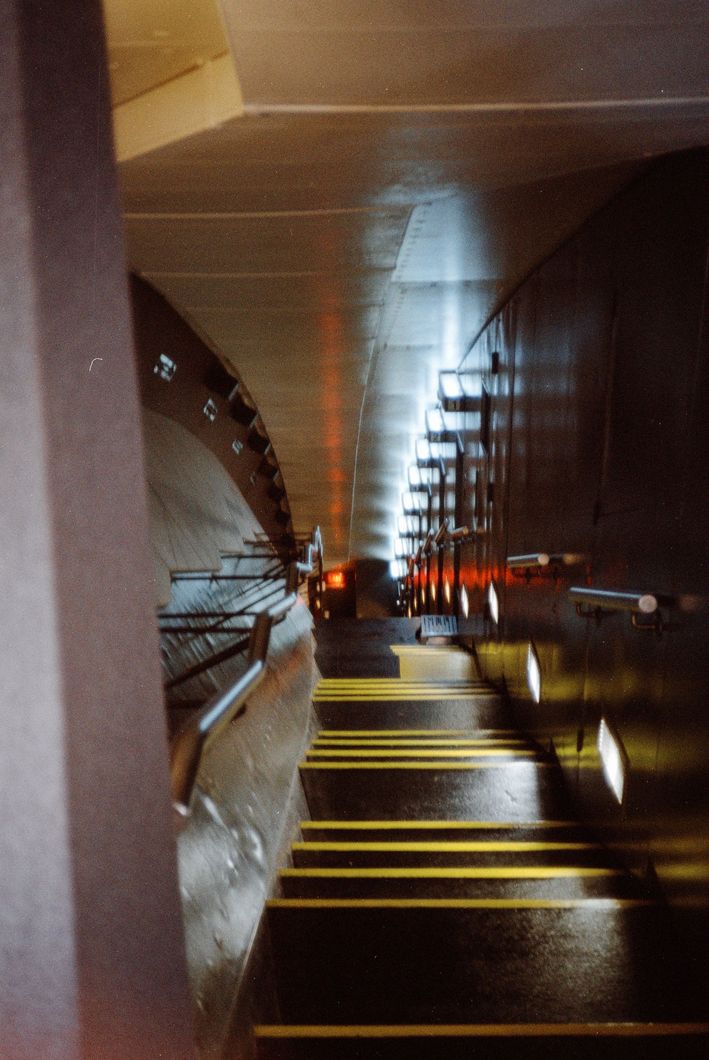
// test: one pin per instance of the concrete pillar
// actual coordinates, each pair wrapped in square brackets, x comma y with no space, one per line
[91,946]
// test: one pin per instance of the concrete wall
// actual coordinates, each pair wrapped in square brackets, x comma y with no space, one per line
[247,795]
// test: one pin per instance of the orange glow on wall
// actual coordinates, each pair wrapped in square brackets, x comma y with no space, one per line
[335,579]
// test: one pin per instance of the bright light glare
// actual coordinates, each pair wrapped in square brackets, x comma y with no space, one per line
[534,675]
[450,385]
[423,450]
[493,603]
[464,602]
[401,548]
[435,424]
[433,591]
[443,450]
[397,568]
[611,760]
[447,590]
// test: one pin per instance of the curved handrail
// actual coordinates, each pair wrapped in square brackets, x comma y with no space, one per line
[192,740]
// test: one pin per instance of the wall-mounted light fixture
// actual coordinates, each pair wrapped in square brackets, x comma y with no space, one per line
[464,601]
[613,759]
[335,579]
[493,604]
[534,674]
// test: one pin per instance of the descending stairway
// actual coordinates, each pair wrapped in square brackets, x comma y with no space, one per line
[441,904]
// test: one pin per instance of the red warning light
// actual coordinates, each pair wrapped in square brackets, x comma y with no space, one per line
[335,579]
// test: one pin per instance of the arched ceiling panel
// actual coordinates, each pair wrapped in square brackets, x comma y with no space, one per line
[397,169]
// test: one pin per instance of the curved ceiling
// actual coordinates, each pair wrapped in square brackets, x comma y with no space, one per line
[344,216]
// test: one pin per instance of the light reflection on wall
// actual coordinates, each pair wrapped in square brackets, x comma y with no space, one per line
[332,383]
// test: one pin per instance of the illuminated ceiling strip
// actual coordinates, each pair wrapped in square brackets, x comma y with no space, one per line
[230,215]
[663,102]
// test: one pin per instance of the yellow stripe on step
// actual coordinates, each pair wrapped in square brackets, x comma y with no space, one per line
[490,764]
[424,752]
[389,697]
[482,1030]
[452,846]
[536,872]
[400,682]
[608,905]
[388,742]
[415,732]
[386,825]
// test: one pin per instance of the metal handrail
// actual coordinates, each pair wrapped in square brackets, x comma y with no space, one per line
[609,600]
[544,559]
[192,740]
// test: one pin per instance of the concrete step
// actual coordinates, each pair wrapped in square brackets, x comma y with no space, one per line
[466,960]
[535,1041]
[483,711]
[491,790]
[449,852]
[372,831]
[388,703]
[415,743]
[420,752]
[543,882]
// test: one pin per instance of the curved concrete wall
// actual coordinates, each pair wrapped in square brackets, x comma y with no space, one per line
[247,789]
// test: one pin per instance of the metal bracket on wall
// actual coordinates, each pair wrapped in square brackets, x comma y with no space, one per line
[644,608]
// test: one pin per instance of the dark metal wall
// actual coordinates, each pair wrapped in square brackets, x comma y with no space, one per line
[599,443]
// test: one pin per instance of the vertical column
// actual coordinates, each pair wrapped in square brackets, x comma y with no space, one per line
[91,948]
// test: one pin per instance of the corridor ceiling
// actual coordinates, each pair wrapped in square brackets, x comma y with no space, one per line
[339,193]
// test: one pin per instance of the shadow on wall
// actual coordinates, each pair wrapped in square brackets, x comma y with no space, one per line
[376,589]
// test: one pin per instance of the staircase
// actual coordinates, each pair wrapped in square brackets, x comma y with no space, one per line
[440,903]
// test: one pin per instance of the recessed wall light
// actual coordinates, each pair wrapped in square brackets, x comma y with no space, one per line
[493,603]
[534,675]
[613,759]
